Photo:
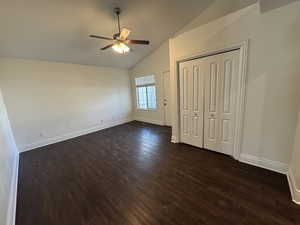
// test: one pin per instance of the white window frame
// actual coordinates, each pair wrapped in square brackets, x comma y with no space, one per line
[137,96]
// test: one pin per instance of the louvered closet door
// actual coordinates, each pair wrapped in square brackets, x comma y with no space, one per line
[221,82]
[192,102]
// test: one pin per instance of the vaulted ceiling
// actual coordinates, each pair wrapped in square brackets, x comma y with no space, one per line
[267,5]
[58,30]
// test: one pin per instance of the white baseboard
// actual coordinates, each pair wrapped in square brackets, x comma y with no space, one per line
[12,207]
[264,163]
[146,120]
[174,139]
[295,192]
[64,137]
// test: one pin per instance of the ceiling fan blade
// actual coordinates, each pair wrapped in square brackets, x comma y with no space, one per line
[106,47]
[139,42]
[101,37]
[124,34]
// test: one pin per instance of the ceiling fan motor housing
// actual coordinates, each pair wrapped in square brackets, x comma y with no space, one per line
[117,10]
[116,35]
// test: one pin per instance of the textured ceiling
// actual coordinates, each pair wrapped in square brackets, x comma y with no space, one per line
[58,30]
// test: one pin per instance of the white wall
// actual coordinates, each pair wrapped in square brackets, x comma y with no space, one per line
[272,77]
[154,64]
[8,157]
[49,101]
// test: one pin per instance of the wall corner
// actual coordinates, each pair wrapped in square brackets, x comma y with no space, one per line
[295,191]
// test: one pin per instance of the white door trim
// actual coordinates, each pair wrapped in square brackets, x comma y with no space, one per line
[240,106]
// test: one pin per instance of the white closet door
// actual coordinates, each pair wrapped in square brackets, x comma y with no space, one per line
[192,102]
[212,102]
[208,94]
[221,81]
[185,109]
[228,96]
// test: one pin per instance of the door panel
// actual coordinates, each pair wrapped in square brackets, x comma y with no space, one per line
[213,77]
[184,100]
[195,127]
[211,116]
[212,130]
[196,91]
[191,102]
[186,125]
[221,75]
[197,113]
[227,80]
[185,86]
[229,85]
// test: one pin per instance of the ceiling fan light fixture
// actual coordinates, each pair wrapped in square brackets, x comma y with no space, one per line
[120,48]
[120,39]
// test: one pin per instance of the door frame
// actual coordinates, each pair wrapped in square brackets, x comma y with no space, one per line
[241,96]
[163,95]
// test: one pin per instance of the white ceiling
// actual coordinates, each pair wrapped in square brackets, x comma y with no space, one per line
[58,30]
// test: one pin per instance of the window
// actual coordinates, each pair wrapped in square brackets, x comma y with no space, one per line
[145,92]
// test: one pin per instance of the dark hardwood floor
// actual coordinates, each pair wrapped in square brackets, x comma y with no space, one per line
[132,175]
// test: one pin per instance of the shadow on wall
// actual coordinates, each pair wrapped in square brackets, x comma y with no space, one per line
[267,5]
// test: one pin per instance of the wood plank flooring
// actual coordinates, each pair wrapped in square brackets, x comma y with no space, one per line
[132,175]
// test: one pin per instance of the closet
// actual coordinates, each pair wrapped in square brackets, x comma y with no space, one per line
[208,95]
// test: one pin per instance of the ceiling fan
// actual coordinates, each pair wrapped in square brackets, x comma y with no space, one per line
[120,41]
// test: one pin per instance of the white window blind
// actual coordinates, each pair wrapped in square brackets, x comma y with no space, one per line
[146,92]
[142,81]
